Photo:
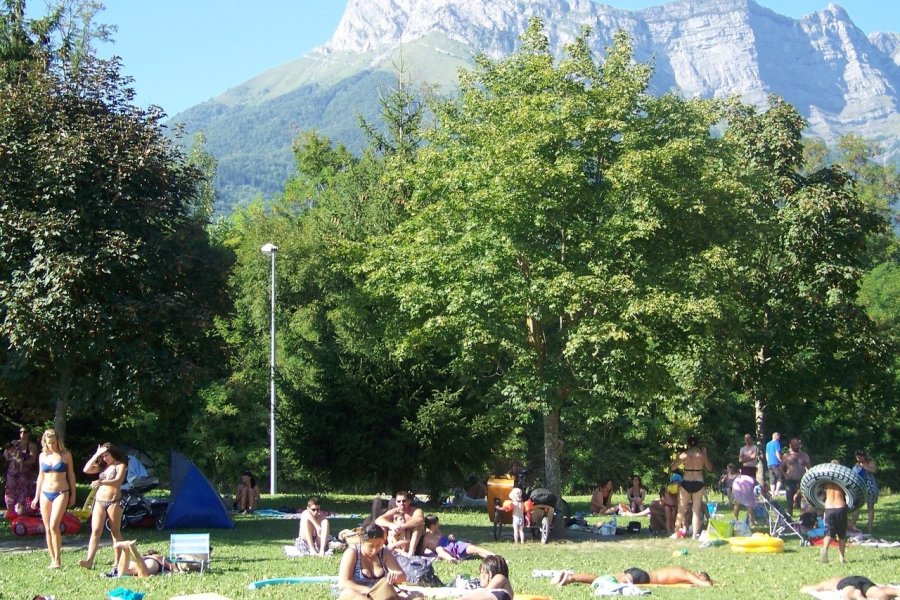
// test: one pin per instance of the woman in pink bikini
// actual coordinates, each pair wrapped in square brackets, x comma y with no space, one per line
[695,463]
[112,467]
[55,491]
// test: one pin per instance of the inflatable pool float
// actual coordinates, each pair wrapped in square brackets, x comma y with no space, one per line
[813,485]
[758,543]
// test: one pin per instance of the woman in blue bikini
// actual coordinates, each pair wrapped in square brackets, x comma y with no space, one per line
[55,491]
[112,467]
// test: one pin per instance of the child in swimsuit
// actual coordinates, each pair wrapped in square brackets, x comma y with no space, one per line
[518,516]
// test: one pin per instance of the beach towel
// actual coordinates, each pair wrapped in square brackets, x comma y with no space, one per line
[602,586]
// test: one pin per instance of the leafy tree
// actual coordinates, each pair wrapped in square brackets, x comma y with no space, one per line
[332,361]
[565,229]
[107,288]
[799,337]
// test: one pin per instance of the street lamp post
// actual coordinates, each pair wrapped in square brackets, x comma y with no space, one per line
[270,249]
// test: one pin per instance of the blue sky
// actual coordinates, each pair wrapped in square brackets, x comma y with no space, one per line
[183,52]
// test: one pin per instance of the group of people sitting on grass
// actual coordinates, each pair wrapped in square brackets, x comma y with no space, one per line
[685,492]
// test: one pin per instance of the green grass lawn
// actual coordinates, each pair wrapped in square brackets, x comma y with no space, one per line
[253,551]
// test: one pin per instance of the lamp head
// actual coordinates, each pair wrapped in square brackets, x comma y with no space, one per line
[268,248]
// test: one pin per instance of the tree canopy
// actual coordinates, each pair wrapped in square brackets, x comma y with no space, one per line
[107,287]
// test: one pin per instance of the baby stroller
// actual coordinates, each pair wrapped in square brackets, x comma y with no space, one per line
[780,522]
[139,510]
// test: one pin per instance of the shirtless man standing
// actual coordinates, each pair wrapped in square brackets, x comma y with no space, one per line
[749,456]
[694,461]
[794,464]
[665,576]
[835,519]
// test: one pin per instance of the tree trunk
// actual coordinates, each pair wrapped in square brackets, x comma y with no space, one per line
[552,469]
[759,407]
[62,402]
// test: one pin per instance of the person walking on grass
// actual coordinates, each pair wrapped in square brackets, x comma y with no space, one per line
[54,491]
[835,519]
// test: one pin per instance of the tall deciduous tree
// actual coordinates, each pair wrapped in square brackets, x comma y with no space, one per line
[107,288]
[801,338]
[565,238]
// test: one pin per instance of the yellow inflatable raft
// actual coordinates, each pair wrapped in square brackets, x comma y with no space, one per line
[757,543]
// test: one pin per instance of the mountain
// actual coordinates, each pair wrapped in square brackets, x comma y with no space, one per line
[838,78]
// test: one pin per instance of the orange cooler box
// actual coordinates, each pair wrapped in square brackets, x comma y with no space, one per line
[498,488]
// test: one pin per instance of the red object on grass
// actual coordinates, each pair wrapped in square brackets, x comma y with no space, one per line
[30,525]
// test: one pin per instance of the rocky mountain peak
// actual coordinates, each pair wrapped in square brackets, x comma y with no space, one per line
[838,78]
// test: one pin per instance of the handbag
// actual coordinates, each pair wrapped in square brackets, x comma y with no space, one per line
[383,590]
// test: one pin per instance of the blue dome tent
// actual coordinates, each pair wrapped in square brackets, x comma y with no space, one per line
[194,502]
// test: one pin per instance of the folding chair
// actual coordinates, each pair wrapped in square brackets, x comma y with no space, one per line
[780,522]
[190,549]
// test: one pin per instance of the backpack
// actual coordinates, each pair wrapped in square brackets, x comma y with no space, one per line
[419,570]
[543,496]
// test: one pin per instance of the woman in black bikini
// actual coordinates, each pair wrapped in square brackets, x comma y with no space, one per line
[364,564]
[112,467]
[494,575]
[853,587]
[694,462]
[55,491]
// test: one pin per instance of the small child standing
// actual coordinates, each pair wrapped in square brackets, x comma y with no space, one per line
[518,515]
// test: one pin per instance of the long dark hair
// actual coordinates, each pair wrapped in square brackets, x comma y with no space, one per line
[495,565]
[115,452]
[252,478]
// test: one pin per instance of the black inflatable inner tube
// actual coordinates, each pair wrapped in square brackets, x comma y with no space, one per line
[813,485]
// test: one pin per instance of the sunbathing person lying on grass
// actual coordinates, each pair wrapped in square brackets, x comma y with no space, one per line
[447,547]
[132,562]
[665,576]
[853,587]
